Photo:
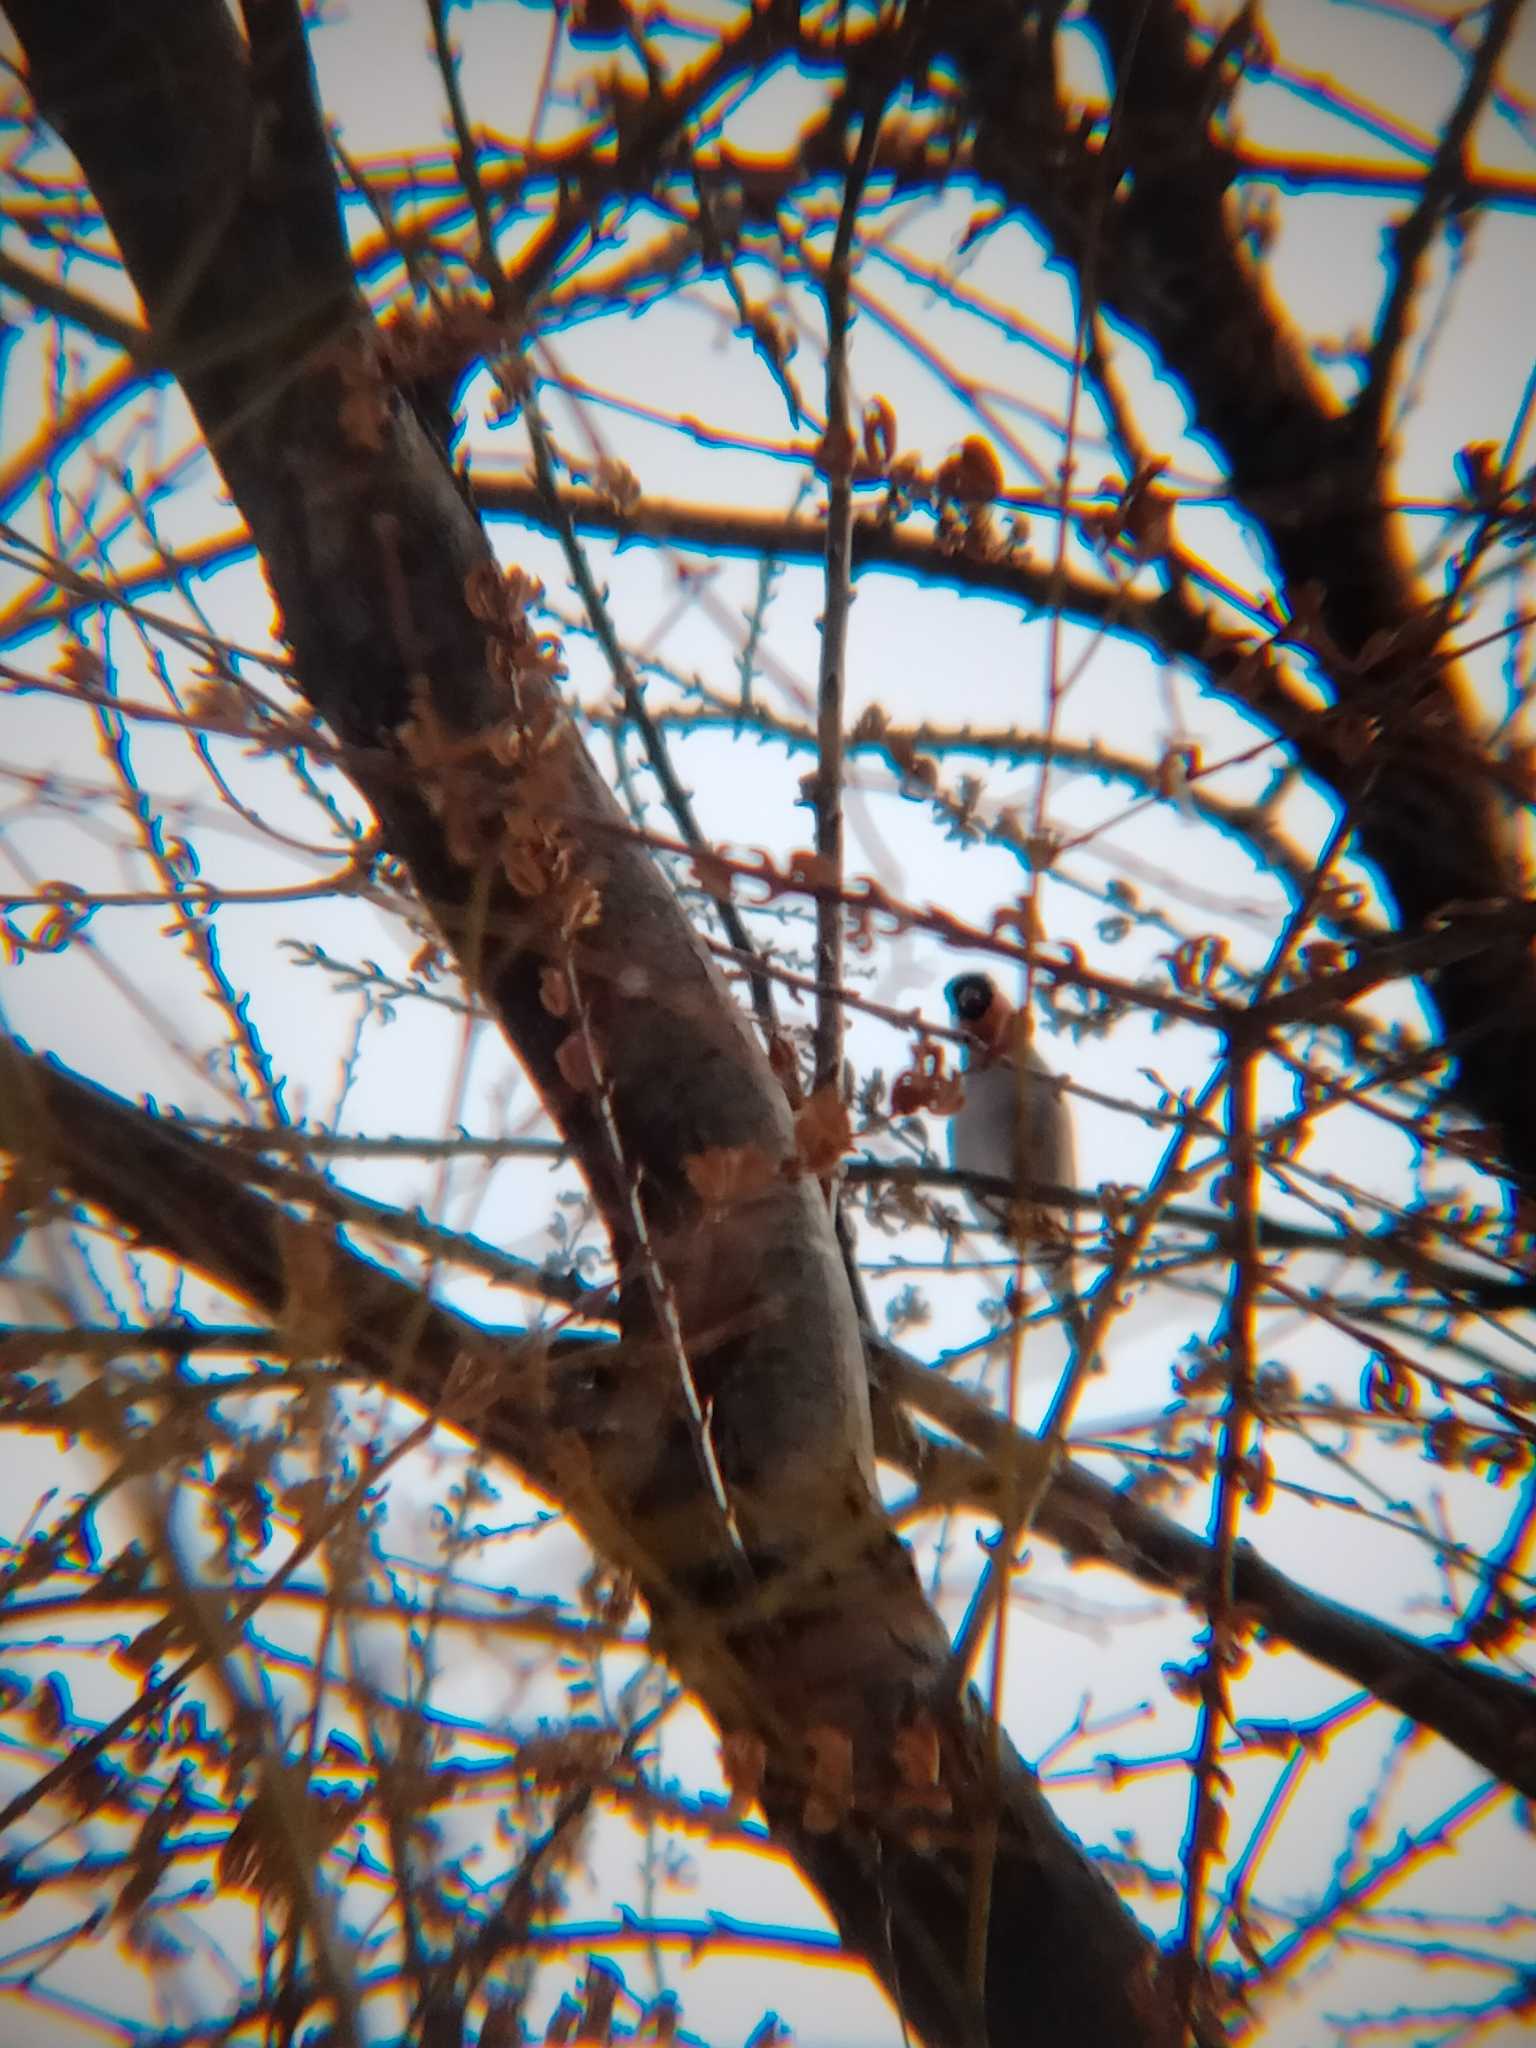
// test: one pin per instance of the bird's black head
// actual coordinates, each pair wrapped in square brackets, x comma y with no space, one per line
[970,997]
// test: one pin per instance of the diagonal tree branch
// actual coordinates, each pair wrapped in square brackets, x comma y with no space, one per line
[1172,265]
[184,1195]
[49,296]
[677,799]
[419,654]
[190,1197]
[1482,1713]
[837,601]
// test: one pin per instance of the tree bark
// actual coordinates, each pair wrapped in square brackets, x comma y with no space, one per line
[207,157]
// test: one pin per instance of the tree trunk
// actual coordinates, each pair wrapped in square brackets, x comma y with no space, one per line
[795,1616]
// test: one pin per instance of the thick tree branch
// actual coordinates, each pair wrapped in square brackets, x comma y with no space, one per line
[58,300]
[419,656]
[190,1198]
[1171,264]
[677,798]
[901,1907]
[1487,1716]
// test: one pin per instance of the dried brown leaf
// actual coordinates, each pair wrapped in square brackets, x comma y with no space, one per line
[829,1794]
[743,1760]
[574,1059]
[823,1132]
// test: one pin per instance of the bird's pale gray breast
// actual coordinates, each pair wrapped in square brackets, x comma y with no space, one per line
[1012,1116]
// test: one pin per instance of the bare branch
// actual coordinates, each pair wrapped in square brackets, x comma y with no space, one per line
[1443,195]
[677,799]
[49,296]
[1482,1713]
[1172,266]
[409,641]
[838,447]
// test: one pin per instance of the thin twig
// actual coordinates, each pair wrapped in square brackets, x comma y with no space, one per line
[1235,1477]
[162,1690]
[38,289]
[467,156]
[663,1302]
[837,458]
[673,793]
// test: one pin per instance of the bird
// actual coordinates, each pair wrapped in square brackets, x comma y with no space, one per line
[1015,1125]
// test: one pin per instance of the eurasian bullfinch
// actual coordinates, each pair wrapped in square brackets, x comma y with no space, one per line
[1014,1125]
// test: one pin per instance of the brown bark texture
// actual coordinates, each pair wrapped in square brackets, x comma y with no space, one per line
[207,157]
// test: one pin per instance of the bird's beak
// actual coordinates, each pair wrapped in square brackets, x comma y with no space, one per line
[991,1031]
[994,1028]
